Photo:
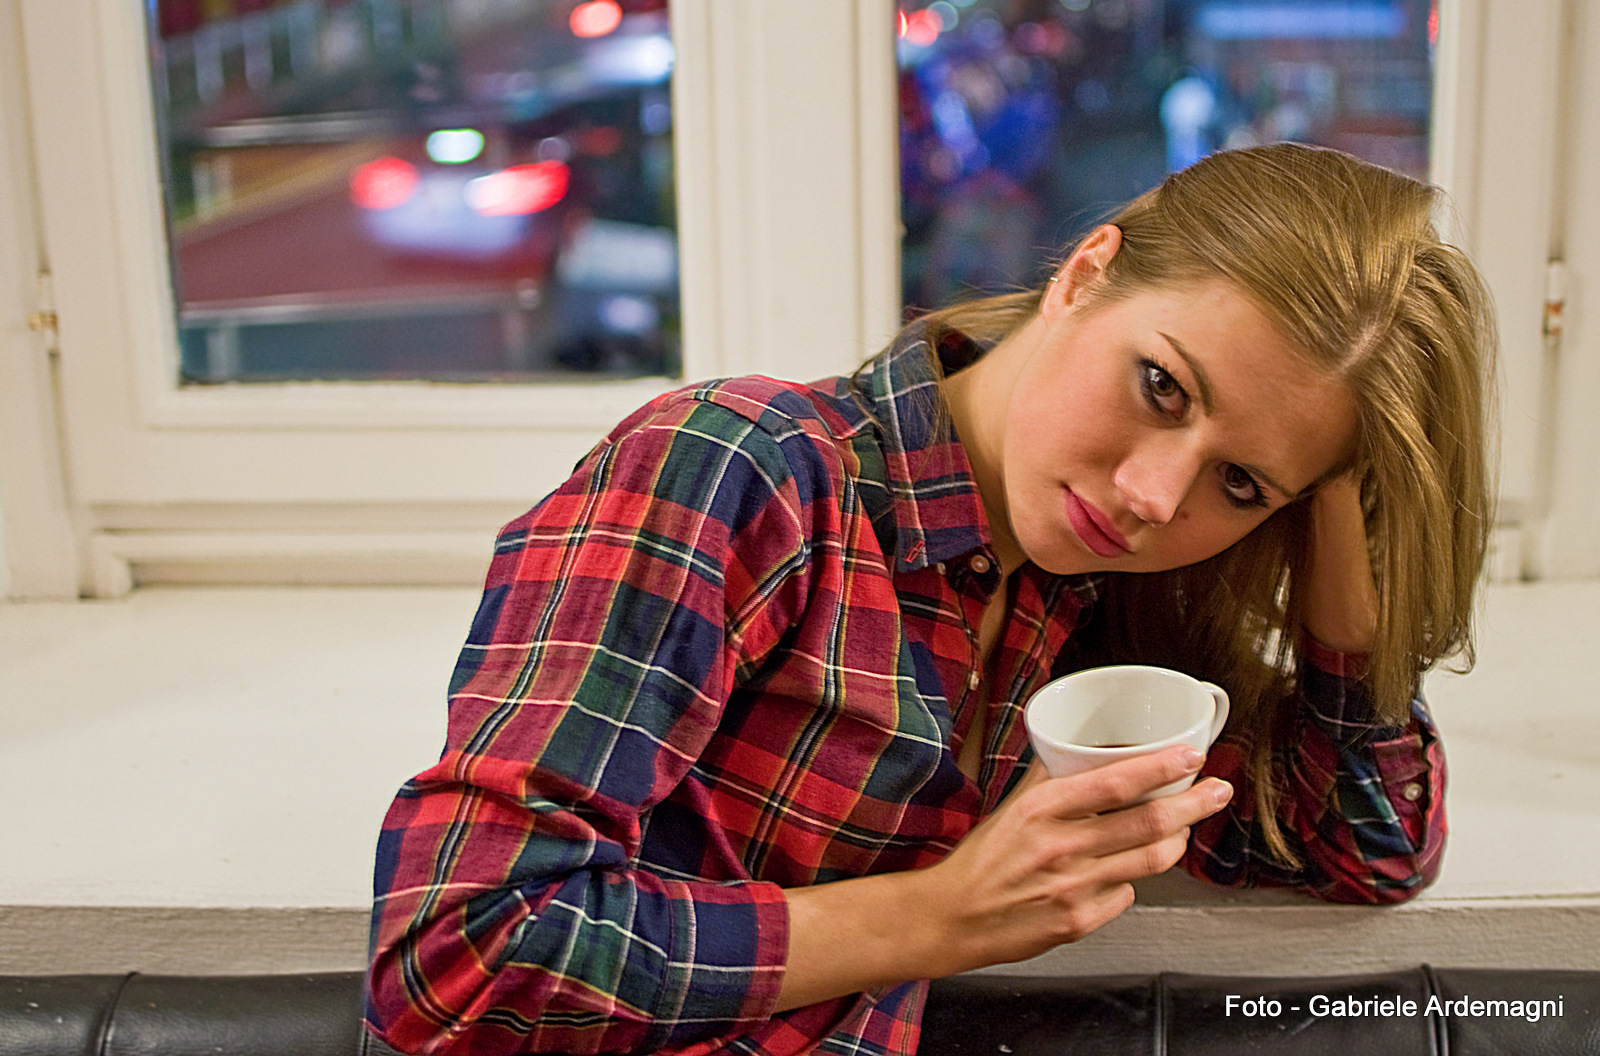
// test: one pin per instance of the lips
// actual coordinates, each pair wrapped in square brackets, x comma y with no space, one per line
[1093,527]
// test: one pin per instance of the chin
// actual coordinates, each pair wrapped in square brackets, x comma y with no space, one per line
[1069,560]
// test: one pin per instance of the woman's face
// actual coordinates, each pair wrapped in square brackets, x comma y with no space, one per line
[1158,430]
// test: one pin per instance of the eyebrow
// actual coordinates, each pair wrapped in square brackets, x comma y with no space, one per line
[1203,380]
[1195,368]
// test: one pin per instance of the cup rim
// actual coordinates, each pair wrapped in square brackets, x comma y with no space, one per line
[1142,747]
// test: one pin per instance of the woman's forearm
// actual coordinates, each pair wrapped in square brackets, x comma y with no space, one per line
[1341,597]
[855,935]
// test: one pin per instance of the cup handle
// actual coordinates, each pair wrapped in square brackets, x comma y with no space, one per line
[1219,695]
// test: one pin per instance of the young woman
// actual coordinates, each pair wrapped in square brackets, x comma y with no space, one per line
[735,755]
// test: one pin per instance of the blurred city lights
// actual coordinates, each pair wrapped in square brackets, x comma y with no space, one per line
[553,148]
[1344,20]
[519,190]
[629,315]
[601,141]
[453,146]
[595,18]
[922,27]
[383,183]
[629,60]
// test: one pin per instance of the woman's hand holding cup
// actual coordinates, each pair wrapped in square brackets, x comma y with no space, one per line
[1057,859]
[1109,800]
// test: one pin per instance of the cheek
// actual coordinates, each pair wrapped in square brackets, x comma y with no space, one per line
[1040,437]
[1195,534]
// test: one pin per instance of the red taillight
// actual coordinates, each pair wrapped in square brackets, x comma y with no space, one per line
[519,190]
[596,18]
[923,27]
[383,183]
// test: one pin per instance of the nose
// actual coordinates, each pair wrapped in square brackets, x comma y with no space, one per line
[1154,479]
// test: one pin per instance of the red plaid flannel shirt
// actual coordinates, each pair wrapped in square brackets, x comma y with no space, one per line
[730,656]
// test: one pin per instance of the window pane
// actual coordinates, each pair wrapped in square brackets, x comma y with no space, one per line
[465,190]
[1024,122]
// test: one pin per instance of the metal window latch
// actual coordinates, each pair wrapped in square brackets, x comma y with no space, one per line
[1555,298]
[43,320]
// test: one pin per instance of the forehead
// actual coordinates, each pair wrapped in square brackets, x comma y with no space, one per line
[1268,401]
[1296,425]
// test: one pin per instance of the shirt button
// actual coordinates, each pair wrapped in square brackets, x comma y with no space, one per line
[973,679]
[940,567]
[979,564]
[1412,792]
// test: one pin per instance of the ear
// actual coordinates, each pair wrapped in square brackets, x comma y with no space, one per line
[1082,271]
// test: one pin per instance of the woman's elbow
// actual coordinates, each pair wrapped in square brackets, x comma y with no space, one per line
[396,1014]
[421,989]
[1387,882]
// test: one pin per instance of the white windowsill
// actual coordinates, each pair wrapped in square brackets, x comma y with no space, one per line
[195,779]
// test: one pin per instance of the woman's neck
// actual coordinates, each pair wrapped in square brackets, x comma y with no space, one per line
[978,397]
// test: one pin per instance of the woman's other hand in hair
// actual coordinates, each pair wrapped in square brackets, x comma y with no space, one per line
[1341,597]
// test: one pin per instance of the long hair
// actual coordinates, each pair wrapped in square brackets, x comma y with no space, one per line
[1345,258]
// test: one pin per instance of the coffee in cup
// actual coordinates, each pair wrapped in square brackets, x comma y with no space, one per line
[1099,715]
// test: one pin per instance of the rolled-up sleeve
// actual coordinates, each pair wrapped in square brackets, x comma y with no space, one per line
[1362,804]
[507,916]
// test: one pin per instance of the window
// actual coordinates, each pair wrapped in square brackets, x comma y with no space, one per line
[438,189]
[1022,125]
[782,134]
[787,229]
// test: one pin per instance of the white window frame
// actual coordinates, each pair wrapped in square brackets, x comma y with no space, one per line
[1499,97]
[370,480]
[1564,533]
[788,217]
[38,535]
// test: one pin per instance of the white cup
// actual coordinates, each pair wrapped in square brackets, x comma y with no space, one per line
[1097,716]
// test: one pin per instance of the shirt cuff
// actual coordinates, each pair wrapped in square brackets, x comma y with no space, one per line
[728,959]
[1341,665]
[1337,699]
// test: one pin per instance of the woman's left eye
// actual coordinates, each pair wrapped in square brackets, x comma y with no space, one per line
[1162,390]
[1241,487]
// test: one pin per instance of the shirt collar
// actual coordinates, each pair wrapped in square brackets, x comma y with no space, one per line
[937,510]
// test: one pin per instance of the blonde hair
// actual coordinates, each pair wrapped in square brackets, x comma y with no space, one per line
[1345,258]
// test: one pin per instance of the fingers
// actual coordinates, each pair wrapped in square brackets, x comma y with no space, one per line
[1133,841]
[1119,784]
[1055,862]
[1152,837]
[1157,820]
[1091,914]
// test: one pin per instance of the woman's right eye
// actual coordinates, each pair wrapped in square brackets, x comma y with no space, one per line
[1162,390]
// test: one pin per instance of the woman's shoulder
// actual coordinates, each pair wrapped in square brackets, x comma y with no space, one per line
[781,407]
[761,410]
[790,429]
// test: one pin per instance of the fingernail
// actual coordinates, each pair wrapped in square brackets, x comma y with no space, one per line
[1221,791]
[1192,757]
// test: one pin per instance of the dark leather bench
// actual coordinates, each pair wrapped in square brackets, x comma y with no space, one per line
[1165,1015]
[1192,1015]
